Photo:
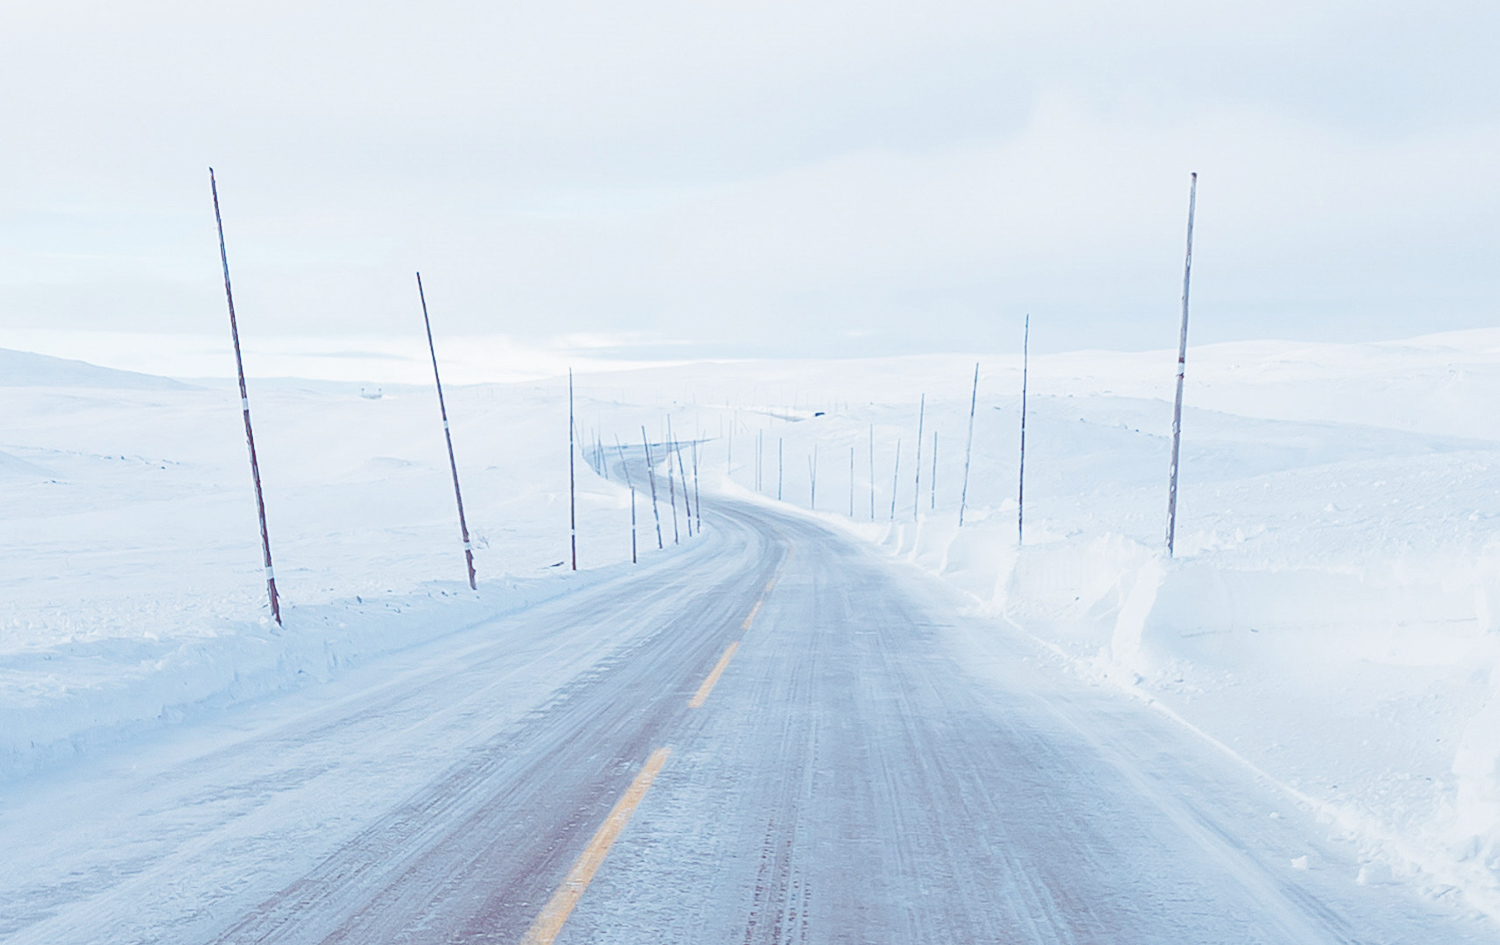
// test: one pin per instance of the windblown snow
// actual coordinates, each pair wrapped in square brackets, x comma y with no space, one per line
[1331,617]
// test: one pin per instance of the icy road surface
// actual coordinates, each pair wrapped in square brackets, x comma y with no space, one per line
[869,765]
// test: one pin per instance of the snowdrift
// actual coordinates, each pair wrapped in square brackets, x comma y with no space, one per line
[1331,618]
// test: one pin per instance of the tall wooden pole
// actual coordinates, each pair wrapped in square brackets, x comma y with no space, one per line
[572,497]
[463,525]
[697,494]
[963,497]
[895,478]
[780,468]
[933,484]
[1021,478]
[672,491]
[687,506]
[239,364]
[812,479]
[1187,275]
[916,487]
[651,476]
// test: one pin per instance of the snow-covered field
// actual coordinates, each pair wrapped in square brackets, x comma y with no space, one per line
[132,587]
[1331,616]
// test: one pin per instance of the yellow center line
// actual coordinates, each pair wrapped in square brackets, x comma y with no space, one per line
[750,617]
[560,906]
[708,684]
[557,910]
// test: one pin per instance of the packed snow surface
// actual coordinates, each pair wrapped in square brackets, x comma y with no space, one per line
[1330,618]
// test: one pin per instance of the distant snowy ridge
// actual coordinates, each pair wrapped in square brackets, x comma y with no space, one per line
[25,369]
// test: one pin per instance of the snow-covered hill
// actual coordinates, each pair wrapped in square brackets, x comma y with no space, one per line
[1332,616]
[25,369]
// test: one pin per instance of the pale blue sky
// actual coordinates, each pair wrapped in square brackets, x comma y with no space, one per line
[773,178]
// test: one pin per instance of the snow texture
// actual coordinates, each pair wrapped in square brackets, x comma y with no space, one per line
[1331,618]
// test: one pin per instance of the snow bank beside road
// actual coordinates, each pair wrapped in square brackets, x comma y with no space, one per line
[77,695]
[131,593]
[1332,616]
[1354,662]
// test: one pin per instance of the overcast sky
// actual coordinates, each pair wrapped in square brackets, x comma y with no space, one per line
[656,179]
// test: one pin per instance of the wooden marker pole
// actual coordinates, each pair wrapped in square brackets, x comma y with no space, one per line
[651,476]
[760,444]
[239,364]
[1187,274]
[697,494]
[895,478]
[572,497]
[672,493]
[916,494]
[812,479]
[687,507]
[963,498]
[933,486]
[1021,478]
[463,525]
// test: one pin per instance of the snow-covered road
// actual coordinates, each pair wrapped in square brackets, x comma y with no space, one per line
[873,765]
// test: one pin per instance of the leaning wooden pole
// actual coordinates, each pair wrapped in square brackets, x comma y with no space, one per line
[963,496]
[780,468]
[760,449]
[697,494]
[812,479]
[672,493]
[1187,275]
[239,364]
[851,482]
[895,478]
[651,477]
[687,489]
[933,484]
[1021,477]
[463,525]
[687,507]
[916,485]
[572,492]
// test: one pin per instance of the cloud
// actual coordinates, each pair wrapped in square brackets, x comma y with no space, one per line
[765,178]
